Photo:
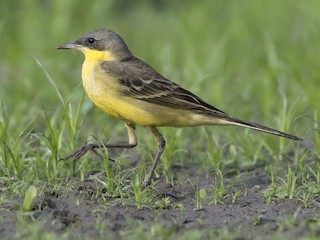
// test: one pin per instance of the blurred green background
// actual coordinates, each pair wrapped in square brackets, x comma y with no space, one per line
[252,59]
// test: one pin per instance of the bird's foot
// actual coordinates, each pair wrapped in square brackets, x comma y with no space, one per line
[82,151]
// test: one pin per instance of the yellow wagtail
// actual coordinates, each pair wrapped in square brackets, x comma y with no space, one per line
[129,89]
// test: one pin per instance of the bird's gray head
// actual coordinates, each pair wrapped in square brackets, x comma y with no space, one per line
[103,41]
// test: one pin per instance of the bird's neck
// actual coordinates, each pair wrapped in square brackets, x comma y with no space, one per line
[95,55]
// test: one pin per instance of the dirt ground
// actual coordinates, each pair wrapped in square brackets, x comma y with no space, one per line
[249,217]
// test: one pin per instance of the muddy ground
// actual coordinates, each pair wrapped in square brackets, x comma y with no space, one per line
[80,214]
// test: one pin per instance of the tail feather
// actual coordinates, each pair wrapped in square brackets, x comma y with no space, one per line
[259,127]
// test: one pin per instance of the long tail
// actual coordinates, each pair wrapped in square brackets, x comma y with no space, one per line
[258,127]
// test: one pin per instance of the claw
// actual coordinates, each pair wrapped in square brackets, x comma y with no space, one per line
[81,151]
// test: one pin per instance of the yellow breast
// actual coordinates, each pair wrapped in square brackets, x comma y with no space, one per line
[102,89]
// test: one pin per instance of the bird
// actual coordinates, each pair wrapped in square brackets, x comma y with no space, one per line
[130,90]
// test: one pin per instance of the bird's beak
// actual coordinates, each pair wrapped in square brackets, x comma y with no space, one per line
[69,46]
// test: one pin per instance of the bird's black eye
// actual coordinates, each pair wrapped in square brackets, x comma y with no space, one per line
[91,40]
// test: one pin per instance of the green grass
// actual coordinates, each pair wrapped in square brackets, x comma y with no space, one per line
[256,60]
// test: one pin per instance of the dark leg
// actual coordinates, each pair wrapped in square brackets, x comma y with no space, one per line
[161,146]
[92,147]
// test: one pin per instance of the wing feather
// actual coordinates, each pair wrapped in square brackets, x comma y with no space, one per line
[142,82]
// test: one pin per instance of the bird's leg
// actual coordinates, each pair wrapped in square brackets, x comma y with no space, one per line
[92,146]
[161,146]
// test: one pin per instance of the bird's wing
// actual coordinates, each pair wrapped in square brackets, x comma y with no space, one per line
[142,82]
